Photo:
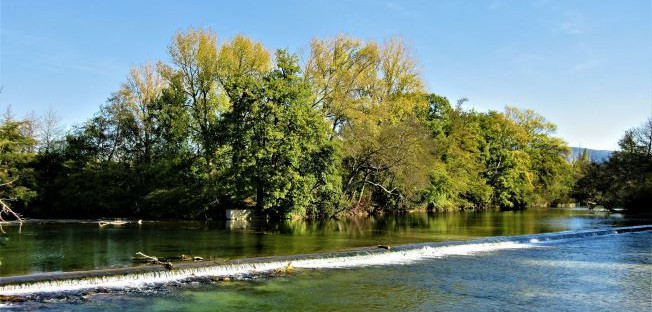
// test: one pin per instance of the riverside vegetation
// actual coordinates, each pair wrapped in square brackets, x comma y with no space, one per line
[350,130]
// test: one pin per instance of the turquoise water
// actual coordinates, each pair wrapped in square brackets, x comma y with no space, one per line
[494,272]
[603,273]
[48,246]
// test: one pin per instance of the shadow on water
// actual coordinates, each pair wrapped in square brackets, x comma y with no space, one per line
[595,270]
[46,246]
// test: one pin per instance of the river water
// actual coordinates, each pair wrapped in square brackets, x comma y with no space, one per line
[607,272]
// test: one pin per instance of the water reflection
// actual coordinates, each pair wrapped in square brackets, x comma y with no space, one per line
[57,246]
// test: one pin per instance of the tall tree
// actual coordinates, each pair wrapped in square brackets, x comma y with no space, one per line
[343,73]
[507,161]
[457,180]
[548,157]
[16,151]
[371,94]
[242,67]
[51,131]
[293,156]
[194,55]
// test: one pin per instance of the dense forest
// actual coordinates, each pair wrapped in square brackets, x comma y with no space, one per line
[349,130]
[625,179]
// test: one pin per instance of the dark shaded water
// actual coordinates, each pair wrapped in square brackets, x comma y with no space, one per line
[69,246]
[610,272]
[604,273]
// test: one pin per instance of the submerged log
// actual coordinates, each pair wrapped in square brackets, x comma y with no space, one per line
[141,257]
[116,222]
[165,262]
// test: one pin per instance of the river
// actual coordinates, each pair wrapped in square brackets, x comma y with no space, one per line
[606,272]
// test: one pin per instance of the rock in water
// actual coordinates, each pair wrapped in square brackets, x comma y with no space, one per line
[4,298]
[168,266]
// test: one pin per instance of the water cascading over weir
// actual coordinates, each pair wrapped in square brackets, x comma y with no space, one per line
[148,276]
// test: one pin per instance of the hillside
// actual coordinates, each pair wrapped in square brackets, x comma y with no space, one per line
[598,156]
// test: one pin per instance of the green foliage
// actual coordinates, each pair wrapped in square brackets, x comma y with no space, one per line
[16,152]
[457,181]
[226,125]
[625,180]
[495,160]
[283,144]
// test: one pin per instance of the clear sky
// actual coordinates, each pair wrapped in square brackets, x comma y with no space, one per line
[585,65]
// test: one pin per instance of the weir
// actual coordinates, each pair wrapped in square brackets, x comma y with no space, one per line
[147,276]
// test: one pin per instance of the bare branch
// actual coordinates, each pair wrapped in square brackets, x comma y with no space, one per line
[391,192]
[8,183]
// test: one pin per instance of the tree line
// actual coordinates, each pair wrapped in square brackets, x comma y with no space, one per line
[349,130]
[625,179]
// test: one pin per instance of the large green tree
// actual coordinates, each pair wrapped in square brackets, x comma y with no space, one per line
[457,180]
[625,180]
[294,161]
[16,152]
[226,124]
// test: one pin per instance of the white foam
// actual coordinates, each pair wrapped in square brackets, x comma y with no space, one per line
[140,280]
[405,255]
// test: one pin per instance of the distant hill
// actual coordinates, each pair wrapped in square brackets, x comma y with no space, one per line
[597,156]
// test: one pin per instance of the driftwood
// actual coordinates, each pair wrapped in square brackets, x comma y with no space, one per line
[165,262]
[141,257]
[185,258]
[116,222]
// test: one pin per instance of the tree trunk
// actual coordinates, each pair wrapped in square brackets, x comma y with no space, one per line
[260,196]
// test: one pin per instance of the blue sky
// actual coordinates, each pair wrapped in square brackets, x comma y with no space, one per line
[585,65]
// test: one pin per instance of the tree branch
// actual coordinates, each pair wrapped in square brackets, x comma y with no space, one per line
[6,210]
[391,192]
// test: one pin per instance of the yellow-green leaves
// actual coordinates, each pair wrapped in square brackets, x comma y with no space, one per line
[144,84]
[343,73]
[371,94]
[194,60]
[399,70]
[224,124]
[242,57]
[194,53]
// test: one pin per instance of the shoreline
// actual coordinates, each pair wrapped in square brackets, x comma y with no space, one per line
[131,220]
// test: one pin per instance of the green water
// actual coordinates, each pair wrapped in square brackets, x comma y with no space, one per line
[595,274]
[603,273]
[46,246]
